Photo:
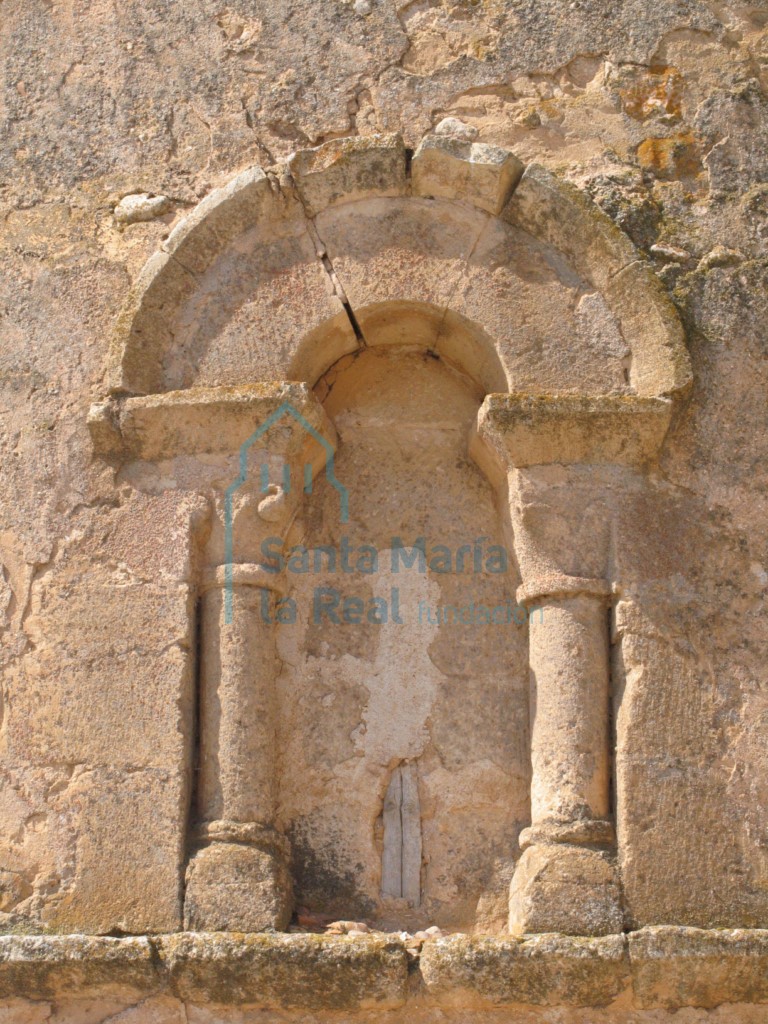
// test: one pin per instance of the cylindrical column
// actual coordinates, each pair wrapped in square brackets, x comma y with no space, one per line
[566,879]
[236,779]
[238,878]
[569,694]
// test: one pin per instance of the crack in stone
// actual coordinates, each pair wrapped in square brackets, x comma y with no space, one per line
[321,252]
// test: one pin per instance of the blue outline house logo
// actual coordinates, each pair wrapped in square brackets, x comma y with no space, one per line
[264,484]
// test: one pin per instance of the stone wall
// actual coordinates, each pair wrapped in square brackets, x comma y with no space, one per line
[402,297]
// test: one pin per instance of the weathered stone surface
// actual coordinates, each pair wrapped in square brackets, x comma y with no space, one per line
[558,213]
[277,294]
[567,889]
[528,430]
[656,969]
[674,966]
[350,169]
[655,112]
[44,966]
[140,207]
[198,420]
[113,886]
[547,970]
[234,884]
[524,295]
[436,701]
[313,972]
[401,250]
[484,176]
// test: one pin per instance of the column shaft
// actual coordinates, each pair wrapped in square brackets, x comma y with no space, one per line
[566,879]
[237,708]
[238,876]
[569,692]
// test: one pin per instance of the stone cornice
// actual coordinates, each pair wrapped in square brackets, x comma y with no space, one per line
[520,430]
[656,967]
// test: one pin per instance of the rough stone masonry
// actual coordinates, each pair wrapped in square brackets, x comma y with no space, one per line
[447,318]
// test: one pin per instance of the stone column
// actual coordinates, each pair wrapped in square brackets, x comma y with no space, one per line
[562,463]
[238,878]
[247,454]
[238,875]
[566,879]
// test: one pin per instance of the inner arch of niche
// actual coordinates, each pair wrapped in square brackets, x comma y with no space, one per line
[408,326]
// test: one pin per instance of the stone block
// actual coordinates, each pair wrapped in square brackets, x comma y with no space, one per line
[660,364]
[403,251]
[116,687]
[118,882]
[568,889]
[199,421]
[237,887]
[673,967]
[472,172]
[47,966]
[527,296]
[556,212]
[546,970]
[308,972]
[143,330]
[533,430]
[221,216]
[347,170]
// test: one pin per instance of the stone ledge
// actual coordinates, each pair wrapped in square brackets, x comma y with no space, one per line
[531,430]
[44,966]
[662,967]
[674,966]
[543,970]
[310,972]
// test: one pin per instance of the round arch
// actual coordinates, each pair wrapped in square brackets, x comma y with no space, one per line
[504,270]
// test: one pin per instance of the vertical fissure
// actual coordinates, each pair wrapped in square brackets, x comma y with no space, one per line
[322,254]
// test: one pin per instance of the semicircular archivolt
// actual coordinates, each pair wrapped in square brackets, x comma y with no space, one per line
[274,278]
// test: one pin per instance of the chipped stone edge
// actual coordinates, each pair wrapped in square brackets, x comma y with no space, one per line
[530,430]
[664,966]
[543,970]
[674,966]
[290,972]
[484,176]
[348,170]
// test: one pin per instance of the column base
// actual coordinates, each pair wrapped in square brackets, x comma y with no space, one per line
[565,888]
[238,883]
